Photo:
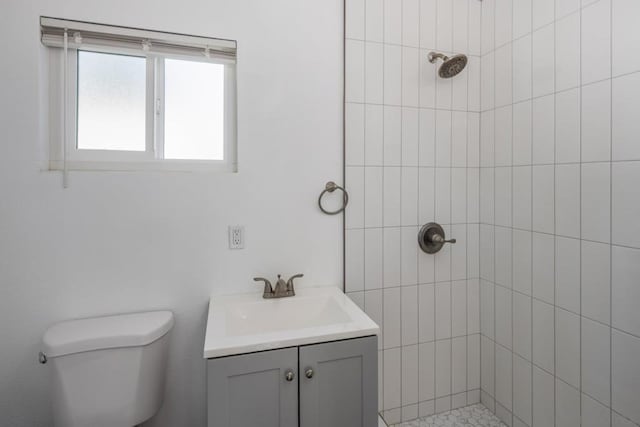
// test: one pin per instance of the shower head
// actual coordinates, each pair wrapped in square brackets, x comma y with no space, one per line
[452,66]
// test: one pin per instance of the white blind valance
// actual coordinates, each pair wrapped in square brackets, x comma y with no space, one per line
[85,35]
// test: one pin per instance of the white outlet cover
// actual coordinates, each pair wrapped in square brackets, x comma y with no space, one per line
[236,237]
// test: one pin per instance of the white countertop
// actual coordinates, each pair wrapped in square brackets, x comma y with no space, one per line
[247,323]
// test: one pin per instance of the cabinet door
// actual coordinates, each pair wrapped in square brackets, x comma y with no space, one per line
[252,390]
[343,388]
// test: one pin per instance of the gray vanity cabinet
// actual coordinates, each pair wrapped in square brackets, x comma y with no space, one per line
[254,390]
[329,384]
[339,384]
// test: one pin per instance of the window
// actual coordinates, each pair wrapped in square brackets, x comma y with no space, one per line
[127,99]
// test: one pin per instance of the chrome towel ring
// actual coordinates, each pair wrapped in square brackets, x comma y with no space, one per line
[330,187]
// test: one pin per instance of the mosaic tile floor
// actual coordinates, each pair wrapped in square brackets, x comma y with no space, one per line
[469,416]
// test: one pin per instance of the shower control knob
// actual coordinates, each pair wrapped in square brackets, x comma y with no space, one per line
[431,238]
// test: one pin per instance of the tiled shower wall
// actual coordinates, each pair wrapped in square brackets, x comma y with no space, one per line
[560,211]
[412,157]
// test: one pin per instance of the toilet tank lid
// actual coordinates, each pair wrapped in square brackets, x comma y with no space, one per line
[99,333]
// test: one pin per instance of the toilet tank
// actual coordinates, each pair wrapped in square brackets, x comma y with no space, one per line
[108,371]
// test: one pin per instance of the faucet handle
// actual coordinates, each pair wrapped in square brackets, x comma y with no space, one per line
[268,290]
[290,282]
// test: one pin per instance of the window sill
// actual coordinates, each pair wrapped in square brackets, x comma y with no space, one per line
[146,166]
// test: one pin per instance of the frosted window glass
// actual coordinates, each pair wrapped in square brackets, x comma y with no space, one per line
[111,102]
[194,110]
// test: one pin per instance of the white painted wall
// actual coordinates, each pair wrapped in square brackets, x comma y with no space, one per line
[118,242]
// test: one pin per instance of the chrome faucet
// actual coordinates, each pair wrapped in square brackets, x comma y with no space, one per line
[283,289]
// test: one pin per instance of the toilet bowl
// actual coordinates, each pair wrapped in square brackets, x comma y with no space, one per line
[108,371]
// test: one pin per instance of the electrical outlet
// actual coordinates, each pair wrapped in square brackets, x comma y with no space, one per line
[236,237]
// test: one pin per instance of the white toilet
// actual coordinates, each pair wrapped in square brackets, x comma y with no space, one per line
[108,371]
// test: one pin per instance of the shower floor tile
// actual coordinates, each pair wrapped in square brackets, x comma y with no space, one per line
[469,416]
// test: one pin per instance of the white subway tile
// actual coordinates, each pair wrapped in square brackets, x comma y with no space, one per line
[373,258]
[625,123]
[503,136]
[503,318]
[354,260]
[543,130]
[504,370]
[543,401]
[391,195]
[473,362]
[594,414]
[354,71]
[487,26]
[522,197]
[625,36]
[522,261]
[543,350]
[443,138]
[426,371]
[443,310]
[426,313]
[459,309]
[354,19]
[392,253]
[410,76]
[504,22]
[409,377]
[409,295]
[568,126]
[444,25]
[543,199]
[567,64]
[522,389]
[443,368]
[410,136]
[392,136]
[354,178]
[374,65]
[374,20]
[392,378]
[596,360]
[568,347]
[428,24]
[625,379]
[596,42]
[625,201]
[568,274]
[625,290]
[543,12]
[411,23]
[596,281]
[567,200]
[522,68]
[596,201]
[543,55]
[458,195]
[409,260]
[459,365]
[567,405]
[391,314]
[373,135]
[522,325]
[409,205]
[392,73]
[522,133]
[596,122]
[543,267]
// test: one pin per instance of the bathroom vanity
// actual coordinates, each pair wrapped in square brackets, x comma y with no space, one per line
[304,361]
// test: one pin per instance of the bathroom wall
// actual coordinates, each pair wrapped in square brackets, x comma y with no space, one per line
[119,242]
[560,200]
[412,157]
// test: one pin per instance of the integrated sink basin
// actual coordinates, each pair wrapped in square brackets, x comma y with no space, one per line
[247,323]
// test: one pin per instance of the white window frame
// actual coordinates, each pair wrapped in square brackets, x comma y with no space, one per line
[152,158]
